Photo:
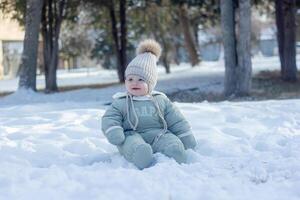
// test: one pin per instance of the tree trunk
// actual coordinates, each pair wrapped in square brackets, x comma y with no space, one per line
[244,70]
[114,30]
[52,18]
[123,27]
[229,42]
[286,36]
[120,43]
[166,47]
[176,53]
[188,35]
[195,30]
[166,63]
[280,30]
[31,42]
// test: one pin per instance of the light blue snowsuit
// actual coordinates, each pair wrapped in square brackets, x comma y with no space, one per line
[141,126]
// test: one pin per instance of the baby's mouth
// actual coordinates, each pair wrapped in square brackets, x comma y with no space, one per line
[135,88]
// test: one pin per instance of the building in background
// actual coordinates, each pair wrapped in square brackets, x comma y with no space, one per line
[11,46]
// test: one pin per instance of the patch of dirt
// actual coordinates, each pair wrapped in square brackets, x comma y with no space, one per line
[265,85]
[195,95]
[269,85]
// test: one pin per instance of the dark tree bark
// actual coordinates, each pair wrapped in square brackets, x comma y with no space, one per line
[53,13]
[120,40]
[286,36]
[31,42]
[237,50]
[164,56]
[244,69]
[188,35]
[123,27]
[229,42]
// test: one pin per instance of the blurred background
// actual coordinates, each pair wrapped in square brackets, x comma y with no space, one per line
[93,36]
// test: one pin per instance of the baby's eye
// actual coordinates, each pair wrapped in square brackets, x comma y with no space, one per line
[130,79]
[141,80]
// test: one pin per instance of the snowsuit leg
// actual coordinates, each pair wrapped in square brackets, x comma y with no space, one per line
[137,151]
[170,145]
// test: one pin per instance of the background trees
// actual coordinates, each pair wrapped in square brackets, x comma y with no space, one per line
[284,11]
[53,12]
[52,16]
[118,25]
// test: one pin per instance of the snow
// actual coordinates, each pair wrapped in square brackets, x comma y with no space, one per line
[51,147]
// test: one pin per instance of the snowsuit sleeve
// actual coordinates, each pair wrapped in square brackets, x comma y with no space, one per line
[178,125]
[112,125]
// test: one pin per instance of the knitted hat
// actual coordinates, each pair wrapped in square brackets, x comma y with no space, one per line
[144,64]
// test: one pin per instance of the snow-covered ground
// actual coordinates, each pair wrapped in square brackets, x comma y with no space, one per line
[51,147]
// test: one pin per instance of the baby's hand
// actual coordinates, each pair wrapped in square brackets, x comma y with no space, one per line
[189,142]
[116,136]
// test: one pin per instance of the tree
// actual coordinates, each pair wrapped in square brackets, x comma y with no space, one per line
[286,37]
[237,49]
[119,35]
[175,24]
[285,13]
[53,13]
[229,42]
[163,26]
[77,38]
[117,13]
[29,56]
[192,14]
[244,49]
[189,39]
[52,16]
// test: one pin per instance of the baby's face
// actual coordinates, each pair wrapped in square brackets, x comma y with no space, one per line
[136,86]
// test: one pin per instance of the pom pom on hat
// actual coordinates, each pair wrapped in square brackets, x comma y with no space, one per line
[151,46]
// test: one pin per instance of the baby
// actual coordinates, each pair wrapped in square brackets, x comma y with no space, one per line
[141,121]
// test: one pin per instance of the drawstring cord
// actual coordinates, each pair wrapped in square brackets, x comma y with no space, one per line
[130,98]
[134,112]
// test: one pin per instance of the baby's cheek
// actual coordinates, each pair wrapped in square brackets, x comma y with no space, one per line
[146,89]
